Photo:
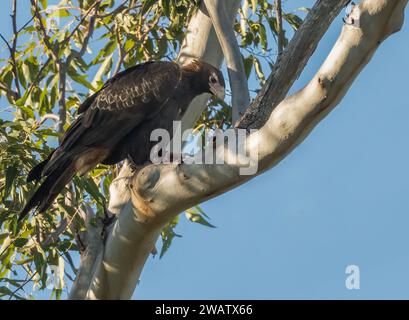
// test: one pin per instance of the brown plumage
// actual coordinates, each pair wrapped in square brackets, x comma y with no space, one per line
[115,123]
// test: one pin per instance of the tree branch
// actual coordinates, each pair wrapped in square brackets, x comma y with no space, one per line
[160,192]
[62,66]
[243,17]
[95,6]
[12,51]
[292,62]
[200,42]
[11,93]
[90,257]
[89,32]
[234,60]
[49,116]
[62,86]
[14,47]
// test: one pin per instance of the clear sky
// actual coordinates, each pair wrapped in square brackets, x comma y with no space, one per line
[341,198]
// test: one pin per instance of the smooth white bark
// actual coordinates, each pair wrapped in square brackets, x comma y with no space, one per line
[231,51]
[201,42]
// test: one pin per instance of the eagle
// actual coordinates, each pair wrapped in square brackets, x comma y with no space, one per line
[115,123]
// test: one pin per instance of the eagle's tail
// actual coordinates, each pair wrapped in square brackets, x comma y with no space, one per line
[36,173]
[53,184]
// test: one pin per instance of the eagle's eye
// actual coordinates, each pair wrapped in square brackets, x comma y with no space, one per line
[213,79]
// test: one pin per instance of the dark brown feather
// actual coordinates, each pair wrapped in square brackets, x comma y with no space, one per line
[115,123]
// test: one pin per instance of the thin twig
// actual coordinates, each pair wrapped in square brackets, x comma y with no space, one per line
[49,116]
[121,53]
[22,285]
[37,79]
[14,47]
[26,24]
[7,43]
[116,11]
[8,91]
[46,38]
[62,85]
[66,40]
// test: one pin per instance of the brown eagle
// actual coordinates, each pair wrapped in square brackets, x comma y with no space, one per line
[115,123]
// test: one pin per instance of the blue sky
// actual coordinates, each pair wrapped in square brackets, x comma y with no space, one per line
[341,198]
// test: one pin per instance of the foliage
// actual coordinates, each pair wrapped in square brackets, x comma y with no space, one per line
[63,53]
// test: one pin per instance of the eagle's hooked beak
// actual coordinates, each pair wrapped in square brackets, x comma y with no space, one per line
[218,90]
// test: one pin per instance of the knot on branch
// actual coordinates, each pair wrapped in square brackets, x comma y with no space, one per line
[352,15]
[366,15]
[324,83]
[146,179]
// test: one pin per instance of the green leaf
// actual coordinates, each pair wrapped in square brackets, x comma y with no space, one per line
[28,111]
[304,9]
[20,102]
[4,291]
[147,6]
[196,217]
[20,242]
[92,189]
[259,70]
[109,48]
[200,210]
[293,20]
[40,261]
[168,234]
[11,174]
[263,37]
[102,71]
[248,65]
[165,7]
[59,13]
[81,79]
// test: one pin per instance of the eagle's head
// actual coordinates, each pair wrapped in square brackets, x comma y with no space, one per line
[211,78]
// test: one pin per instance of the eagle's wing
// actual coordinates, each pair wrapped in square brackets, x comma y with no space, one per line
[123,102]
[126,100]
